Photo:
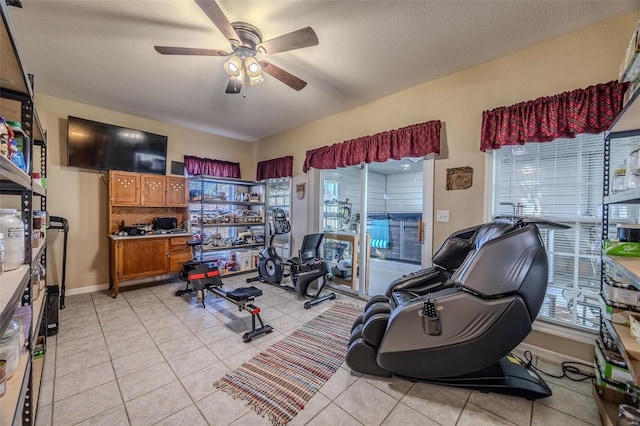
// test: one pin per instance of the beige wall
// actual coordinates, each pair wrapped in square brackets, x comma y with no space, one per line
[577,60]
[583,58]
[81,195]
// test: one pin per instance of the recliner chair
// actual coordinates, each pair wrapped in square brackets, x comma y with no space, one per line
[456,323]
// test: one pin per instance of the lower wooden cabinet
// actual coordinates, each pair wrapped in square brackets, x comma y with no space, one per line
[179,252]
[134,258]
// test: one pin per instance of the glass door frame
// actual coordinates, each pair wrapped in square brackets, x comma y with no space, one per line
[428,179]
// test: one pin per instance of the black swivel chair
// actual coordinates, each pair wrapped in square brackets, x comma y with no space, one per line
[309,266]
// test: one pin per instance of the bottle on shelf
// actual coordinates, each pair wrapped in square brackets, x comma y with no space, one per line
[21,139]
[10,348]
[16,155]
[5,137]
[12,229]
[619,174]
[632,176]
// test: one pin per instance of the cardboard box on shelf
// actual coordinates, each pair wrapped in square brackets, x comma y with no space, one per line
[615,315]
[614,374]
[626,296]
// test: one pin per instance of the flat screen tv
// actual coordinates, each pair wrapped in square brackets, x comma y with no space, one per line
[102,146]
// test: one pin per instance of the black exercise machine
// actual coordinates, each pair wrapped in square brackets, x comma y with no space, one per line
[61,224]
[304,269]
[204,277]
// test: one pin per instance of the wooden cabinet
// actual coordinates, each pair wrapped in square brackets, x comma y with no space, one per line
[177,191]
[140,189]
[135,258]
[142,257]
[179,252]
[124,188]
[135,199]
[152,190]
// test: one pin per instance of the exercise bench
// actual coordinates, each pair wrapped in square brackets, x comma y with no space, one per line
[204,277]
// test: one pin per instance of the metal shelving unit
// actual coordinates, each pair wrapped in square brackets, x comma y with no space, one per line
[627,125]
[215,204]
[18,405]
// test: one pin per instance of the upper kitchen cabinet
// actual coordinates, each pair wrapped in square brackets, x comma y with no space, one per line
[140,189]
[177,191]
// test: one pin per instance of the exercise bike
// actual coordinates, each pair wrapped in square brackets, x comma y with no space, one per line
[271,267]
[304,269]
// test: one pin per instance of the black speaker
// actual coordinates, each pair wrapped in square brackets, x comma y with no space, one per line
[177,168]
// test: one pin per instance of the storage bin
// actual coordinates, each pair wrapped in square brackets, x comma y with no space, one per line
[10,348]
[12,230]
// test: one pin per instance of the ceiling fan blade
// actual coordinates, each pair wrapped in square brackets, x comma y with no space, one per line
[282,75]
[168,50]
[304,37]
[213,11]
[234,87]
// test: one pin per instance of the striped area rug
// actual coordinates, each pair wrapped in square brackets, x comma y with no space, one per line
[279,381]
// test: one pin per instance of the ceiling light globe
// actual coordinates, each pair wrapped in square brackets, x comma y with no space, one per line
[254,67]
[233,67]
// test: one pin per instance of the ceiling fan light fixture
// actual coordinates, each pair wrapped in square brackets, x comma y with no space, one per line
[254,70]
[256,79]
[233,67]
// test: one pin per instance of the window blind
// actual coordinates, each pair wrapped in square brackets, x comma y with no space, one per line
[562,181]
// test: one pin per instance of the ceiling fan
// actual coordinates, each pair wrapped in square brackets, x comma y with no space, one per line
[246,43]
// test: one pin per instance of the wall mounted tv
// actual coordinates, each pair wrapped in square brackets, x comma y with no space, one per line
[100,146]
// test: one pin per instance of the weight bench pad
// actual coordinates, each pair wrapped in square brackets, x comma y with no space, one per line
[244,293]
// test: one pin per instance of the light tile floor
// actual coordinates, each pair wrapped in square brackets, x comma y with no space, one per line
[150,358]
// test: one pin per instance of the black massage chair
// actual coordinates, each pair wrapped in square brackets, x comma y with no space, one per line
[455,323]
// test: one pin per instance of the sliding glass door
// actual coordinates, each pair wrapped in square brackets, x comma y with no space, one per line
[372,217]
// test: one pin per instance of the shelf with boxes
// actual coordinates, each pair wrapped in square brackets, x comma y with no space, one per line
[227,217]
[617,360]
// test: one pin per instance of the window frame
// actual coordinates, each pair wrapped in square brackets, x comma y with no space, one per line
[550,323]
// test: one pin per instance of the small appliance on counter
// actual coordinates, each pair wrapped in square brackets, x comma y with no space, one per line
[165,223]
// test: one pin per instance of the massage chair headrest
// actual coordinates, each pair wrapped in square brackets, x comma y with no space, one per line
[490,231]
[458,245]
[455,249]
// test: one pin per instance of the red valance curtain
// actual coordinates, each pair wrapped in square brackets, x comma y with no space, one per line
[276,168]
[590,110]
[417,140]
[206,166]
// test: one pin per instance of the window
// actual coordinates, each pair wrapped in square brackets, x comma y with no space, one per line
[562,181]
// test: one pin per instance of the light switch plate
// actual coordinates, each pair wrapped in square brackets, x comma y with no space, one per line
[442,215]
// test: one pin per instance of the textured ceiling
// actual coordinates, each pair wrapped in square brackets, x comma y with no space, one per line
[101,53]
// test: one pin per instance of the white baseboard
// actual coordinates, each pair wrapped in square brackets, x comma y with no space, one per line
[88,289]
[102,287]
[552,357]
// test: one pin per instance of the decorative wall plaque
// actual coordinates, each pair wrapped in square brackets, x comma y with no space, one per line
[459,178]
[300,190]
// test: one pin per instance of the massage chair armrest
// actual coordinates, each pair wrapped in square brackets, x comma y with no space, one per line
[418,284]
[410,310]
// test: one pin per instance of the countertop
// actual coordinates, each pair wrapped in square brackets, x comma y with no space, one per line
[132,237]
